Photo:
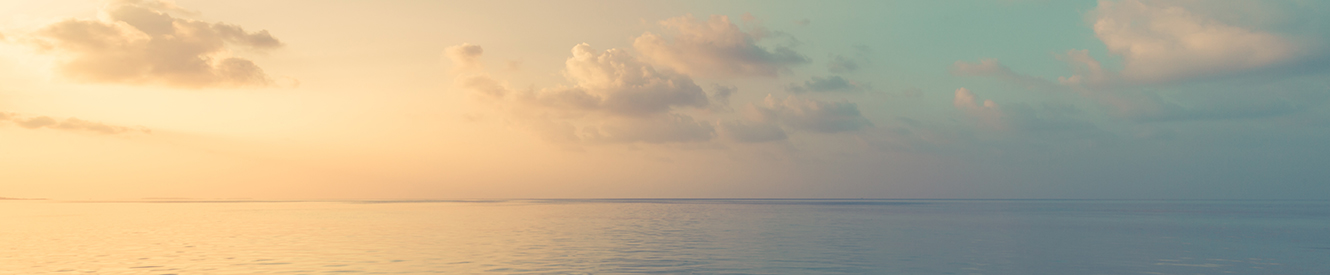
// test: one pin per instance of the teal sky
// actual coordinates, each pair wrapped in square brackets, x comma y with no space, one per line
[1130,99]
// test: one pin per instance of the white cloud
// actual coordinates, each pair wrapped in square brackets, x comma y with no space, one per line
[1162,42]
[140,43]
[628,86]
[716,47]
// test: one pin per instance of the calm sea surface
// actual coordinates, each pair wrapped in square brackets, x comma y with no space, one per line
[666,236]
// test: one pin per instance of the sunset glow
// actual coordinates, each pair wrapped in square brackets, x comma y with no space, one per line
[1137,99]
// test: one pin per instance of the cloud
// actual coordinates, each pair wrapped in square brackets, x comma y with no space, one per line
[465,57]
[1086,70]
[716,47]
[1049,116]
[809,114]
[965,100]
[1161,42]
[988,112]
[623,85]
[720,97]
[612,82]
[614,98]
[140,43]
[73,124]
[828,84]
[484,85]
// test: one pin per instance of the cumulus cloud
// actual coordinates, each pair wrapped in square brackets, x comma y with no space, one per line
[809,114]
[613,82]
[139,42]
[827,84]
[987,112]
[715,47]
[1162,42]
[73,124]
[465,57]
[613,97]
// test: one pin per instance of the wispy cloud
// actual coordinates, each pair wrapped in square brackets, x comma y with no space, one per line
[72,124]
[833,84]
[615,97]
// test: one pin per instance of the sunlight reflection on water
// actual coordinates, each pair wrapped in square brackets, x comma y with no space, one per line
[665,236]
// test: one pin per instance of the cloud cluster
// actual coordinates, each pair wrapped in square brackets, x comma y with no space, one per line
[139,42]
[1172,52]
[74,124]
[715,47]
[614,97]
[1161,42]
[612,82]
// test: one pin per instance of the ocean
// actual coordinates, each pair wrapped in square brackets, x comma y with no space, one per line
[669,236]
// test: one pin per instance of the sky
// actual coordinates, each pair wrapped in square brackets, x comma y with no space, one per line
[1004,99]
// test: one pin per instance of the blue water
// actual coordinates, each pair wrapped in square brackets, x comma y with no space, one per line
[665,236]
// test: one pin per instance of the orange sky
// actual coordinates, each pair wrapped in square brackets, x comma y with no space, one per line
[484,99]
